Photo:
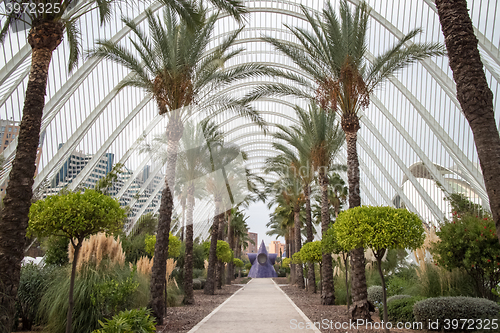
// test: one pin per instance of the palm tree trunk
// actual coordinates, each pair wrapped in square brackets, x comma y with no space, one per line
[188,264]
[473,93]
[360,309]
[327,287]
[311,276]
[230,238]
[209,288]
[43,39]
[293,278]
[158,272]
[298,245]
[220,264]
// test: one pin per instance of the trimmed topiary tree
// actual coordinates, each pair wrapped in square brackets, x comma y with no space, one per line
[379,228]
[75,216]
[239,264]
[174,245]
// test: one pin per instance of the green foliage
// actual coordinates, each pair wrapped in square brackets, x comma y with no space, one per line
[248,266]
[286,262]
[400,309]
[296,259]
[56,250]
[113,294]
[224,252]
[330,243]
[174,245]
[206,248]
[32,285]
[75,215]
[311,252]
[378,228]
[238,262]
[449,308]
[340,288]
[132,321]
[469,242]
[375,294]
[134,247]
[99,292]
[397,297]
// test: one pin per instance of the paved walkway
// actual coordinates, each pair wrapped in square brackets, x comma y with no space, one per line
[260,306]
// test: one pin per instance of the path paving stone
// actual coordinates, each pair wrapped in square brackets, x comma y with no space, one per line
[259,307]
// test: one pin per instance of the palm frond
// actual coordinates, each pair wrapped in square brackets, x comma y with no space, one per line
[73,35]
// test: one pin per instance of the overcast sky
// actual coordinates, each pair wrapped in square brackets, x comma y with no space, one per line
[258,217]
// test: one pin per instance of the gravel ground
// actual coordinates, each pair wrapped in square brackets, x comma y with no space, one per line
[325,316]
[184,318]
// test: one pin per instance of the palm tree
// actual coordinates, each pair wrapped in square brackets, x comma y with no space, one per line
[224,170]
[195,153]
[47,27]
[332,56]
[473,93]
[174,66]
[288,191]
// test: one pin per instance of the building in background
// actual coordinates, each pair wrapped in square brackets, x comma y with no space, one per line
[9,130]
[252,248]
[277,247]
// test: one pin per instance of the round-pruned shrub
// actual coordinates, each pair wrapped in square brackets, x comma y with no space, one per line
[375,294]
[445,309]
[196,284]
[396,297]
[401,309]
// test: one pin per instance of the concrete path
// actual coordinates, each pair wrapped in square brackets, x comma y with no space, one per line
[260,306]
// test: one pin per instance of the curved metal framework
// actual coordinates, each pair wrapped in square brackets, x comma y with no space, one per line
[415,120]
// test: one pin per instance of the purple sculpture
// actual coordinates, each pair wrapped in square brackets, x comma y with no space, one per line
[263,266]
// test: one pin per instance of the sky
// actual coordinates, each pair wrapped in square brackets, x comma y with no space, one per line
[258,216]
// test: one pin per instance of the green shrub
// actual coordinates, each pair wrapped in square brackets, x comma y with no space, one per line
[446,309]
[203,281]
[196,284]
[173,294]
[340,289]
[375,294]
[401,309]
[396,297]
[198,273]
[132,321]
[32,285]
[56,250]
[99,293]
[404,281]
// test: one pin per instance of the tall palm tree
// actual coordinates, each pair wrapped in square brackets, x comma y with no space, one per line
[223,169]
[332,56]
[195,153]
[47,27]
[288,191]
[473,93]
[174,66]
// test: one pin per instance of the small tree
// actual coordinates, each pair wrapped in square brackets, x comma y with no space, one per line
[470,242]
[75,216]
[239,264]
[312,253]
[174,245]
[223,251]
[379,228]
